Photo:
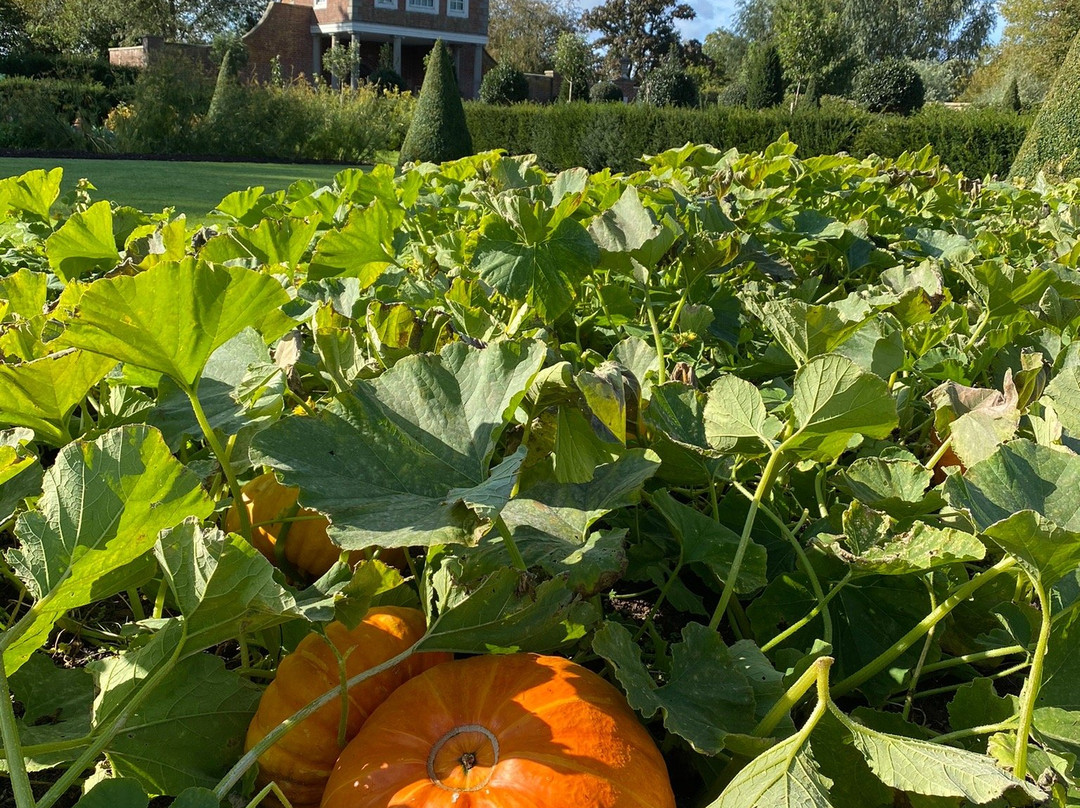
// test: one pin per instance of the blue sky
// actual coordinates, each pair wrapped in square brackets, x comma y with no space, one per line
[712,14]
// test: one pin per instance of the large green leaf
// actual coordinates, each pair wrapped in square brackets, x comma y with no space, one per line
[786,776]
[173,317]
[711,691]
[629,230]
[84,243]
[189,730]
[833,401]
[362,249]
[705,541]
[282,241]
[104,505]
[806,331]
[532,260]
[42,394]
[221,584]
[396,462]
[32,193]
[735,418]
[115,793]
[1024,497]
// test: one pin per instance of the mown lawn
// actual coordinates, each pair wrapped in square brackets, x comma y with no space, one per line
[191,188]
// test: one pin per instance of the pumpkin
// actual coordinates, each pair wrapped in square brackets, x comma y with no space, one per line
[306,546]
[303,758]
[502,732]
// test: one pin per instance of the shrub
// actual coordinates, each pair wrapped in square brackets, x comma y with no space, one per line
[169,99]
[386,78]
[504,84]
[32,114]
[1011,99]
[891,85]
[605,91]
[764,77]
[1053,142]
[596,136]
[669,85]
[734,95]
[438,131]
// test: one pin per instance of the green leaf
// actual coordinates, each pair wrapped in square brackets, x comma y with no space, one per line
[1064,392]
[104,505]
[503,614]
[279,241]
[196,798]
[735,418]
[578,449]
[833,401]
[526,260]
[362,249]
[115,793]
[978,420]
[33,192]
[393,462]
[222,585]
[20,477]
[805,331]
[629,230]
[173,317]
[189,730]
[676,417]
[1024,497]
[1061,669]
[56,707]
[23,293]
[977,704]
[894,485]
[938,770]
[84,243]
[42,394]
[711,692]
[704,540]
[786,776]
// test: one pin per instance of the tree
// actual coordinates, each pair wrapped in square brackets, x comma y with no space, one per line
[919,29]
[13,36]
[1011,99]
[1037,35]
[812,41]
[1052,144]
[764,77]
[727,50]
[639,30]
[669,85]
[523,33]
[438,131]
[94,25]
[575,59]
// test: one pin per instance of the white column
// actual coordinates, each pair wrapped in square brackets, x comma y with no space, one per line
[478,68]
[333,44]
[397,55]
[316,55]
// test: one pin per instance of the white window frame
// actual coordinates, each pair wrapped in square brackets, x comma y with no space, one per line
[411,5]
[391,4]
[453,12]
[320,3]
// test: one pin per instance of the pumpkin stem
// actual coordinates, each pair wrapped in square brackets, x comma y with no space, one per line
[468,760]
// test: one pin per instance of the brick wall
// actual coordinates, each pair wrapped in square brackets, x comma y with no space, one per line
[285,32]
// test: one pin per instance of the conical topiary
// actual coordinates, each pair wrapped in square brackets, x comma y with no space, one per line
[438,131]
[1011,100]
[1053,141]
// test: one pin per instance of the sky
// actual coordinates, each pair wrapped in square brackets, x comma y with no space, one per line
[713,14]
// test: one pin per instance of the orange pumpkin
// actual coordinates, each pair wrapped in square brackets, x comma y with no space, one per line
[518,731]
[306,546]
[301,761]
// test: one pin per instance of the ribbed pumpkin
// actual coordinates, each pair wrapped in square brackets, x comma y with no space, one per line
[301,761]
[517,731]
[307,547]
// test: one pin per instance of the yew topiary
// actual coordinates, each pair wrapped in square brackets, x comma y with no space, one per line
[438,131]
[1052,144]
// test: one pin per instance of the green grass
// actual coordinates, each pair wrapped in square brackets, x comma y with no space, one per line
[150,185]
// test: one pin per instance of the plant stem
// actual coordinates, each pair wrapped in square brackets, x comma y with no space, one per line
[906,711]
[890,654]
[159,600]
[940,453]
[937,691]
[661,377]
[136,604]
[744,540]
[818,609]
[985,729]
[219,452]
[1034,681]
[222,789]
[792,696]
[980,656]
[511,546]
[9,731]
[36,749]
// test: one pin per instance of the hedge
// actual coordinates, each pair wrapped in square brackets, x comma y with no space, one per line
[39,113]
[978,142]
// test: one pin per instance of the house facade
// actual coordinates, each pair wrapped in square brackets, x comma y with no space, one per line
[298,33]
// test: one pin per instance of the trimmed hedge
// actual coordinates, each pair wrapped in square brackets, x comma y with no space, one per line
[597,136]
[1053,145]
[39,113]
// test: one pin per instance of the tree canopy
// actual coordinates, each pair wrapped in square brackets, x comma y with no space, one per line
[523,33]
[639,30]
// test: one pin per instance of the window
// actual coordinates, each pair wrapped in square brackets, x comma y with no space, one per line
[457,8]
[427,6]
[386,4]
[320,3]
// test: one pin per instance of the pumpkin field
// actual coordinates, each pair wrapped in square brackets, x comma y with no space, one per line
[742,480]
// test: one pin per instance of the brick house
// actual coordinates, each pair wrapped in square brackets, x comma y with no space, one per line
[300,32]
